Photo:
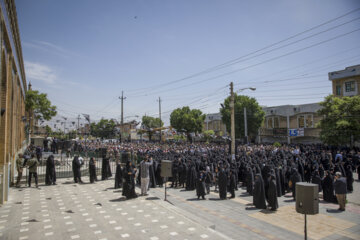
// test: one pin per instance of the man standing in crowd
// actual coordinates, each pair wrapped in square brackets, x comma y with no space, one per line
[340,190]
[32,164]
[145,178]
[19,168]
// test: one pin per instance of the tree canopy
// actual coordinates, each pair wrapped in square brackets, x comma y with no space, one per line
[150,123]
[40,105]
[341,122]
[255,115]
[105,128]
[187,120]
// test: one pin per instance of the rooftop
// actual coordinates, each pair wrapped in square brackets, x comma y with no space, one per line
[347,72]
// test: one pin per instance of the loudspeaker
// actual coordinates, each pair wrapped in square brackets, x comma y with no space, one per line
[307,198]
[166,168]
[125,156]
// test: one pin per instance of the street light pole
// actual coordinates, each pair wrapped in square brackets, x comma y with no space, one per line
[232,108]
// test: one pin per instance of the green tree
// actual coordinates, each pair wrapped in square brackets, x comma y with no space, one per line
[104,128]
[341,122]
[48,130]
[208,134]
[187,120]
[255,115]
[38,104]
[150,123]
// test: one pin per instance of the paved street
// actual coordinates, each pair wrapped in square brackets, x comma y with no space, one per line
[97,211]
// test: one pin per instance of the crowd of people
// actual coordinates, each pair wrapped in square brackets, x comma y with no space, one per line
[266,171]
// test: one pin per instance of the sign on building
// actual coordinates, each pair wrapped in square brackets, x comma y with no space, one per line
[296,132]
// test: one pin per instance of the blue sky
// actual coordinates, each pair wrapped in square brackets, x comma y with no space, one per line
[84,53]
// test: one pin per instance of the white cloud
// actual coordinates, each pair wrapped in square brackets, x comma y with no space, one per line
[40,72]
[49,47]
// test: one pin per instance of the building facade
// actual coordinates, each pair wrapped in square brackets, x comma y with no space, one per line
[346,82]
[291,124]
[213,122]
[12,89]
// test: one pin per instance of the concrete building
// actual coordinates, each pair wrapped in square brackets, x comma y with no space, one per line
[213,122]
[12,89]
[346,82]
[291,124]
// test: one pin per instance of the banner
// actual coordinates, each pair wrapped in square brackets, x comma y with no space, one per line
[296,132]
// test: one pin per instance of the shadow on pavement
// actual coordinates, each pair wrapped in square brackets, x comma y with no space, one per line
[152,198]
[68,182]
[251,208]
[216,199]
[192,199]
[265,211]
[333,210]
[122,199]
[289,200]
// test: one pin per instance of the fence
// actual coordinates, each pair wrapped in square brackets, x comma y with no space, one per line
[63,165]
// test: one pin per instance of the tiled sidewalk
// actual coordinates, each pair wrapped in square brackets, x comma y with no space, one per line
[92,211]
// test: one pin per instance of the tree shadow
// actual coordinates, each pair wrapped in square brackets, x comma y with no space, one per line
[117,191]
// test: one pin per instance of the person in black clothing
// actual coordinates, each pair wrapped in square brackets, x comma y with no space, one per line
[272,194]
[232,183]
[50,176]
[92,170]
[278,182]
[294,178]
[328,188]
[349,178]
[200,185]
[223,181]
[317,180]
[76,165]
[118,176]
[105,168]
[175,177]
[129,181]
[159,179]
[259,193]
[249,181]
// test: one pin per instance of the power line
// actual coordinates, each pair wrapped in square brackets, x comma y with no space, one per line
[230,62]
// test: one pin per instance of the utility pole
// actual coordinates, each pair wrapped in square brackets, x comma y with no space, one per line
[232,108]
[160,118]
[122,114]
[245,127]
[78,128]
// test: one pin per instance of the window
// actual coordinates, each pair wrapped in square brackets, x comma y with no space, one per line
[276,122]
[270,123]
[309,121]
[338,90]
[301,121]
[350,86]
